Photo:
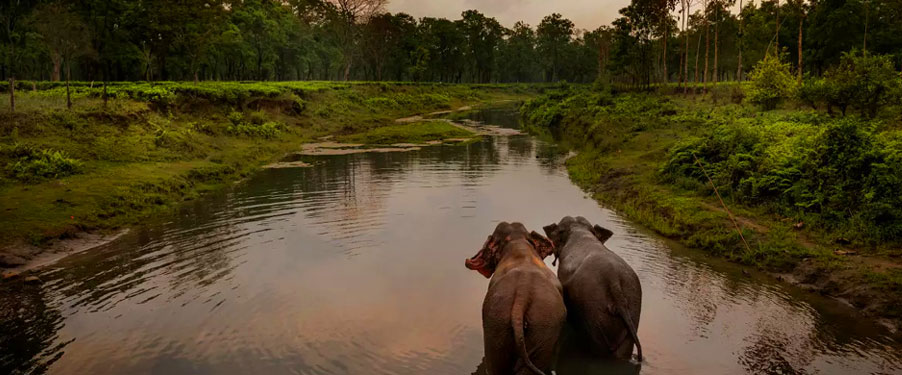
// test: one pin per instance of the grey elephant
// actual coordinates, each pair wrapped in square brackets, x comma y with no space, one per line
[602,292]
[523,311]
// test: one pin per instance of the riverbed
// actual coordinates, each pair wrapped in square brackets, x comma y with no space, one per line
[353,264]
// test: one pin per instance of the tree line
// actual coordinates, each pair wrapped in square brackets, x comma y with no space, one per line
[653,41]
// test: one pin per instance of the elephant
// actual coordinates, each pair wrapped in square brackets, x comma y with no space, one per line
[523,311]
[601,291]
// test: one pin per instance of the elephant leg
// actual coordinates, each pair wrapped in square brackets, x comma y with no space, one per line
[500,354]
[625,349]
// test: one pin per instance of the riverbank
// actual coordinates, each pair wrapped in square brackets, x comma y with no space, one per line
[637,154]
[98,168]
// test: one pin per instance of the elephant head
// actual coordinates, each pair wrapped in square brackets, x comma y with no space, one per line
[559,233]
[492,251]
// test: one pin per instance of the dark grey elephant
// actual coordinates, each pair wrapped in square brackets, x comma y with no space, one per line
[523,311]
[602,292]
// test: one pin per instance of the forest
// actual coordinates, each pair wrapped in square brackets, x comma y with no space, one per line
[653,41]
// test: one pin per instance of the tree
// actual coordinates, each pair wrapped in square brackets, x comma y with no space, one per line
[739,64]
[444,44]
[658,12]
[483,36]
[719,11]
[687,5]
[632,53]
[200,23]
[707,22]
[383,37]
[800,8]
[863,80]
[110,23]
[350,12]
[12,12]
[553,34]
[518,55]
[65,35]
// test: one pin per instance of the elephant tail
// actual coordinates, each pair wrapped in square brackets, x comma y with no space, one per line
[628,321]
[518,312]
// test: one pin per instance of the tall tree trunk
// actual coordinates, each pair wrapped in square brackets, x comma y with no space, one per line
[666,31]
[698,50]
[195,77]
[716,42]
[12,94]
[686,31]
[739,65]
[777,35]
[707,45]
[600,62]
[57,60]
[68,78]
[867,19]
[106,74]
[801,23]
[347,74]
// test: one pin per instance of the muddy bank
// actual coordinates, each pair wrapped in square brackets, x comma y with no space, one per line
[18,259]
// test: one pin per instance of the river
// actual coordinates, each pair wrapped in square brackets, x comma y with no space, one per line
[355,266]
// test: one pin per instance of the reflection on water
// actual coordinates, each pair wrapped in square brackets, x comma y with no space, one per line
[355,266]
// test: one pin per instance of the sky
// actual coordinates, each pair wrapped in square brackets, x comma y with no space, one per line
[586,14]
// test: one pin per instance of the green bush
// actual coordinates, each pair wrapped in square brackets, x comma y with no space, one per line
[255,126]
[813,91]
[862,80]
[842,174]
[29,164]
[771,82]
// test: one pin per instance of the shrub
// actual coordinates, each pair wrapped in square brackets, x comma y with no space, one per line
[266,130]
[864,81]
[29,164]
[841,174]
[771,82]
[813,91]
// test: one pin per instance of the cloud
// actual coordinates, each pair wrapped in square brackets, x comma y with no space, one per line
[586,14]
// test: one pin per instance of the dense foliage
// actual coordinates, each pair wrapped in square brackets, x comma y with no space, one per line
[652,41]
[30,164]
[864,81]
[838,174]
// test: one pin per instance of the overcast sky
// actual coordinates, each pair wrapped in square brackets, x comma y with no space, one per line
[586,14]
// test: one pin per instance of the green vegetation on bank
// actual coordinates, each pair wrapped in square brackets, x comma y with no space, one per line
[801,182]
[103,166]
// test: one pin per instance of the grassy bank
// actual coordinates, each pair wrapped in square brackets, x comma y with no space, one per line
[104,166]
[808,190]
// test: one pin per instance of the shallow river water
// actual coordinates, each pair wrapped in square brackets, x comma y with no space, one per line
[355,266]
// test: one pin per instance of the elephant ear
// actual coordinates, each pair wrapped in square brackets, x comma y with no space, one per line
[553,232]
[544,246]
[602,234]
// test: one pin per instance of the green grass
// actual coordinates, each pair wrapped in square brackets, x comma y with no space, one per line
[417,132]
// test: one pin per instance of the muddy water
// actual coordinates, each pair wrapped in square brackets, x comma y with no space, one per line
[355,266]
